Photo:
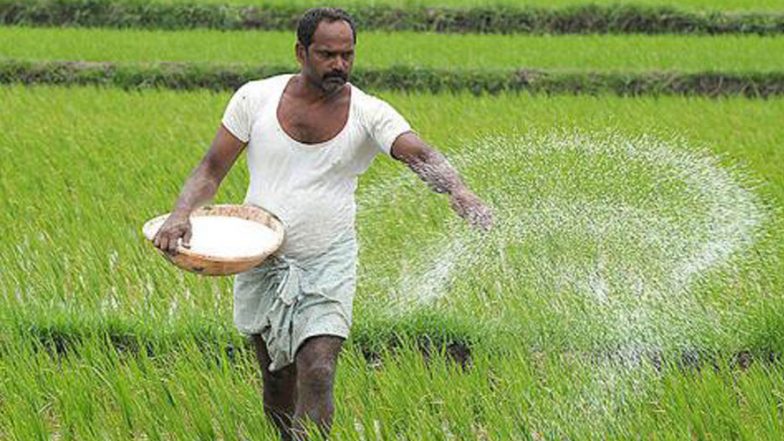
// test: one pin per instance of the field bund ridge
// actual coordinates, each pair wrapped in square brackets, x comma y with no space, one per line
[181,76]
[690,5]
[581,19]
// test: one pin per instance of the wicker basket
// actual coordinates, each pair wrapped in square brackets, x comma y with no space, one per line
[219,265]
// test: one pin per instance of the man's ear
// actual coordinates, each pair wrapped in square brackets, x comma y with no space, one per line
[300,52]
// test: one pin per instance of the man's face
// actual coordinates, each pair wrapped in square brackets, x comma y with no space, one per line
[328,60]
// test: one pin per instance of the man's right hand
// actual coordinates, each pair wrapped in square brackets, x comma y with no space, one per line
[176,226]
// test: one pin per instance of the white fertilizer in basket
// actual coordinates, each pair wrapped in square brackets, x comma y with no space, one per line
[228,237]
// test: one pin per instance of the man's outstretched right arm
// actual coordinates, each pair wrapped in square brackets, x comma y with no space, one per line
[199,188]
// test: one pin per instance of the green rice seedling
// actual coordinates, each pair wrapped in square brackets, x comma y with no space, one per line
[585,188]
[691,4]
[127,280]
[97,392]
[615,53]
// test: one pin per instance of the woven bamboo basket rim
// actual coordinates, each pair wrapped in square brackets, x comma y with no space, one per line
[249,212]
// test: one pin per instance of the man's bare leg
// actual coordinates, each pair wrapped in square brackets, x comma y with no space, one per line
[316,361]
[279,391]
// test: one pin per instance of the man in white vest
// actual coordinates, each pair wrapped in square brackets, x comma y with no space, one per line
[308,136]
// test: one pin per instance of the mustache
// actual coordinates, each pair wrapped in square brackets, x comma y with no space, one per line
[337,74]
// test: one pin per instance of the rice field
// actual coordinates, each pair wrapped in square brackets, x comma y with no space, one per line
[631,289]
[620,53]
[724,5]
[84,177]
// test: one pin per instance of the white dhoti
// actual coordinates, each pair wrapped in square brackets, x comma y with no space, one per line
[287,300]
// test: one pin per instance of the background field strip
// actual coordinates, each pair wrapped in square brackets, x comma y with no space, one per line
[403,78]
[613,18]
[628,53]
[723,5]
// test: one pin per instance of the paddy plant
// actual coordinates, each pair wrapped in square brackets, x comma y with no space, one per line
[616,53]
[637,253]
[96,175]
[740,5]
[99,392]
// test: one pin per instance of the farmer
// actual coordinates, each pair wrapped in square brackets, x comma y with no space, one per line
[308,136]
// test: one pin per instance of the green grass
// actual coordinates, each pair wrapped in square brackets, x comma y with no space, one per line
[632,53]
[104,173]
[83,168]
[730,5]
[104,394]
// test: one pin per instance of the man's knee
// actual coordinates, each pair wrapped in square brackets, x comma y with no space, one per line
[317,378]
[316,363]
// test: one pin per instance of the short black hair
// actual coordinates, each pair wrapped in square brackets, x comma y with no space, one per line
[312,17]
